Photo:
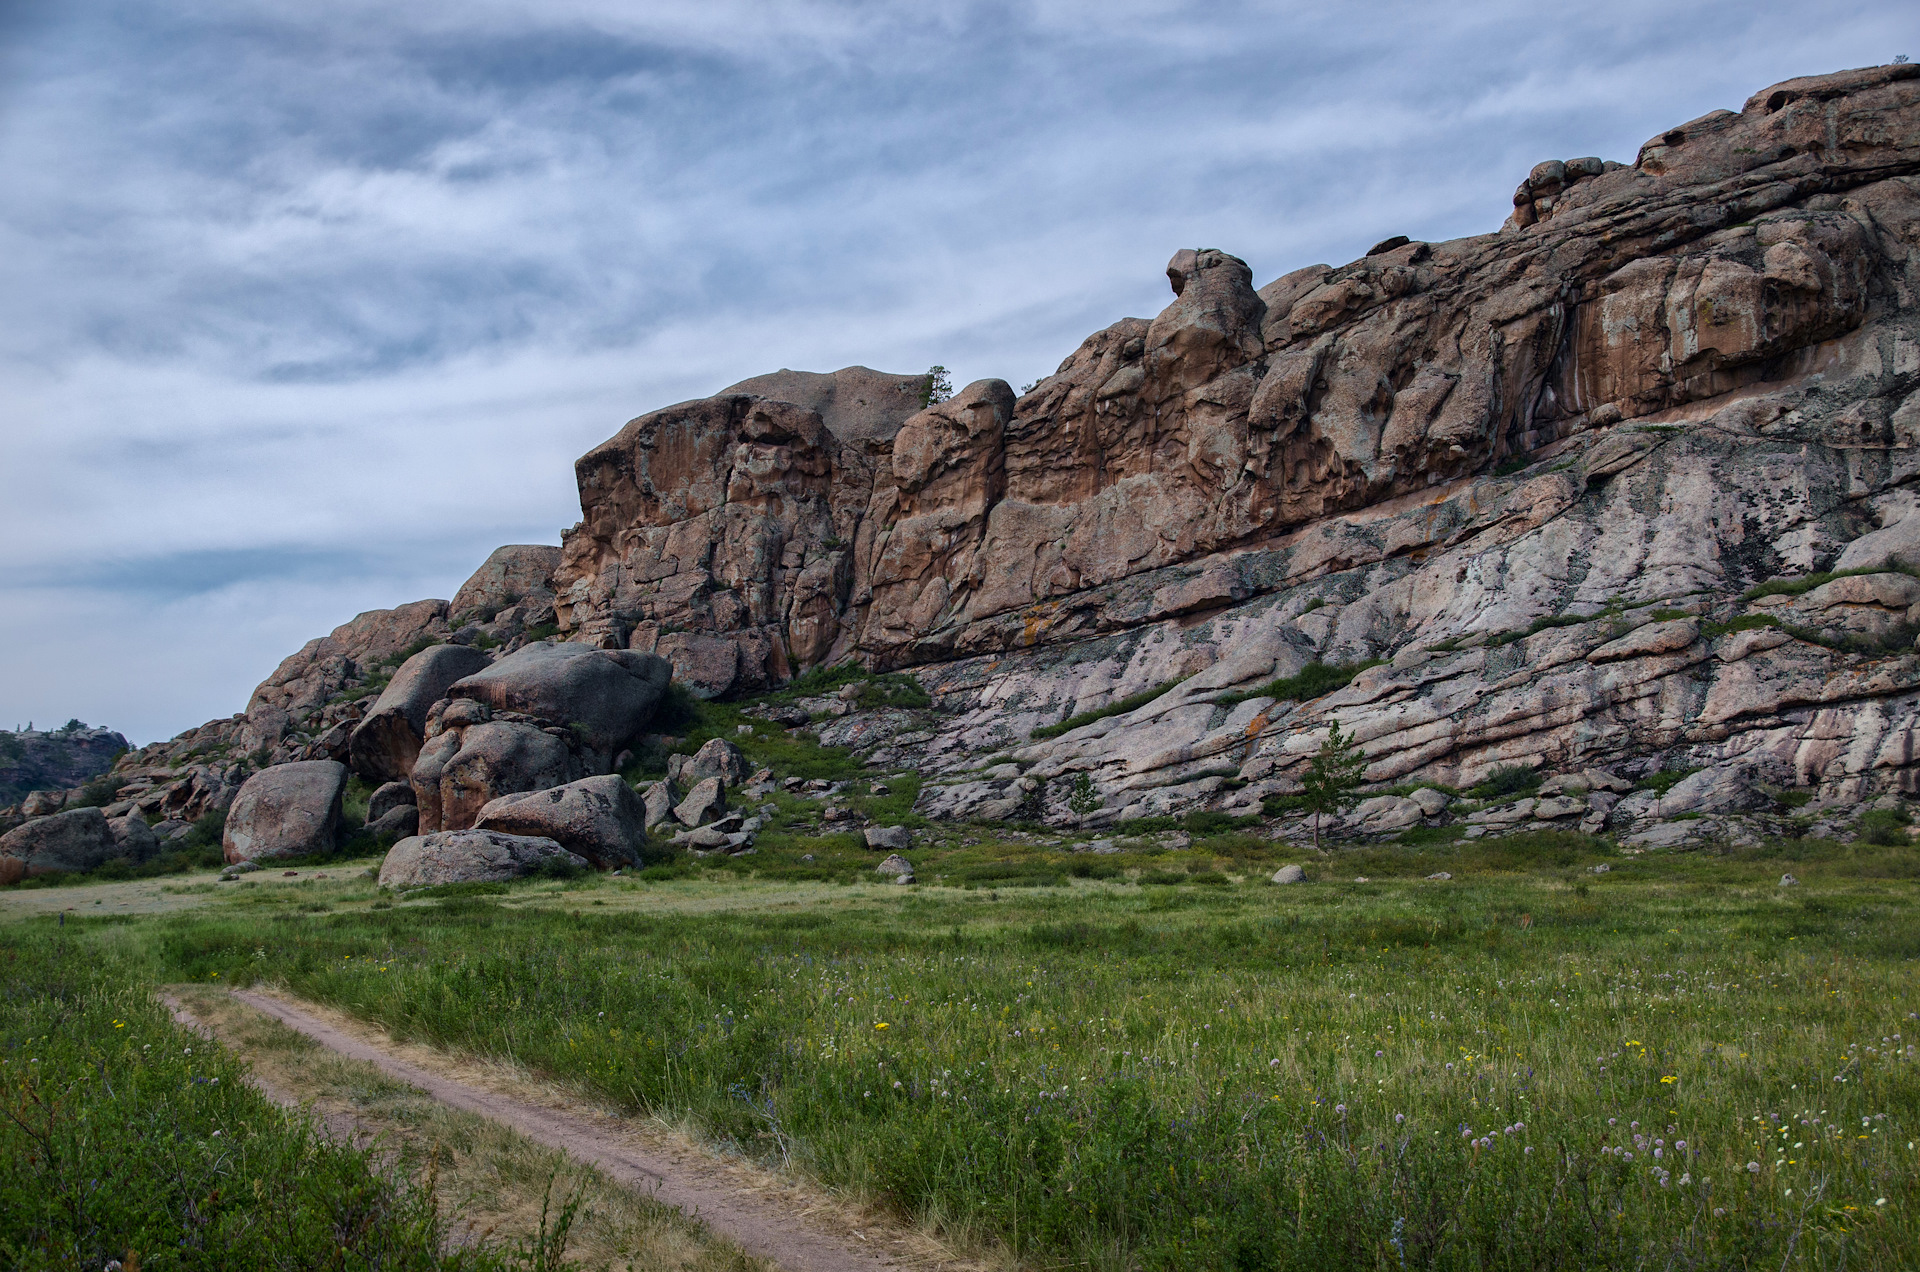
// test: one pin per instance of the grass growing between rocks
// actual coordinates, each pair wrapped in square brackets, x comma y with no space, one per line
[1675,1063]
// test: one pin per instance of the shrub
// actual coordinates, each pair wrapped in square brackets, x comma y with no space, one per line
[1506,781]
[1314,680]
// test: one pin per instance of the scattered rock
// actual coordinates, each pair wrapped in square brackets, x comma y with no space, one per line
[895,864]
[659,798]
[1440,875]
[132,837]
[718,758]
[1431,802]
[470,856]
[1290,874]
[892,838]
[1788,881]
[467,765]
[289,810]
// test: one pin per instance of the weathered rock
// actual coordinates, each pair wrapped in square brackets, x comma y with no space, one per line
[609,695]
[892,838]
[856,404]
[470,856]
[895,864]
[1788,881]
[78,839]
[1431,802]
[389,796]
[288,810]
[705,802]
[41,803]
[39,766]
[132,837]
[387,741]
[1440,875]
[466,765]
[718,758]
[510,574]
[1385,813]
[598,818]
[1290,874]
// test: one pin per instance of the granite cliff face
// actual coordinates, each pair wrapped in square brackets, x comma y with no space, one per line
[1538,473]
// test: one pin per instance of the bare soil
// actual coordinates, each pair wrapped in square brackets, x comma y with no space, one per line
[767,1216]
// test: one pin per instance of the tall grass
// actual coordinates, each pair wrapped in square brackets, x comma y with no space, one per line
[1536,1067]
[127,1142]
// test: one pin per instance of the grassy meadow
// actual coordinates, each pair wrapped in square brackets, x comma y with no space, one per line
[1676,1063]
[1562,1057]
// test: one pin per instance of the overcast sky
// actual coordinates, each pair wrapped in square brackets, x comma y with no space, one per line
[306,307]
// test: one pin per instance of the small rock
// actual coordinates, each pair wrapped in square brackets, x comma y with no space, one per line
[1290,874]
[892,838]
[1602,868]
[895,864]
[1431,802]
[880,788]
[1788,881]
[743,730]
[1561,806]
[1105,847]
[660,797]
[707,838]
[1362,879]
[1440,875]
[806,856]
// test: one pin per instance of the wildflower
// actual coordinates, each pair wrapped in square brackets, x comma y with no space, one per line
[1274,1063]
[1753,1168]
[1528,1150]
[1378,1054]
[880,1024]
[1399,1118]
[1340,1109]
[1719,1211]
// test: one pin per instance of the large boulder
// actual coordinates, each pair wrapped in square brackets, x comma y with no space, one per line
[470,856]
[608,695]
[78,839]
[600,818]
[387,741]
[132,837]
[288,810]
[659,798]
[718,758]
[471,759]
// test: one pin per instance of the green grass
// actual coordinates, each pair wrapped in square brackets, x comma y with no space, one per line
[1132,702]
[1311,681]
[126,1138]
[1201,1070]
[1807,582]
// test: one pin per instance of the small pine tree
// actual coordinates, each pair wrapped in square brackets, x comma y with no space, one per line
[1083,799]
[938,386]
[1332,777]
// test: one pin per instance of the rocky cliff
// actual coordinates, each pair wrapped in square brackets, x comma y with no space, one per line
[54,759]
[1576,485]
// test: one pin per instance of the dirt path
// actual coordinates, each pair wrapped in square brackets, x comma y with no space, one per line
[764,1224]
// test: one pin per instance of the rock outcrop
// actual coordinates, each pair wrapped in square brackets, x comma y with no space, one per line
[54,761]
[289,810]
[1567,497]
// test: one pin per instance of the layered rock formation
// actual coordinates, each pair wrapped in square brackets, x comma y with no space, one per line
[1538,474]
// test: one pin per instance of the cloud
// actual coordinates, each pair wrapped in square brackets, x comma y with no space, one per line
[304,308]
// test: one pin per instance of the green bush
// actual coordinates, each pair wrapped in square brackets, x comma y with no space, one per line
[1507,781]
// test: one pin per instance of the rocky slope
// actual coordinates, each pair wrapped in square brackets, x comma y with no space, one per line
[1544,476]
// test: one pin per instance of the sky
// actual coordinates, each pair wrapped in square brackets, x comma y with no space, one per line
[306,308]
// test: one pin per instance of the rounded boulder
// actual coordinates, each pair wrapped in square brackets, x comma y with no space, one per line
[78,839]
[471,856]
[289,810]
[387,741]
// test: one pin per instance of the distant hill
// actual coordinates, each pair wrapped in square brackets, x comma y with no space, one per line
[41,760]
